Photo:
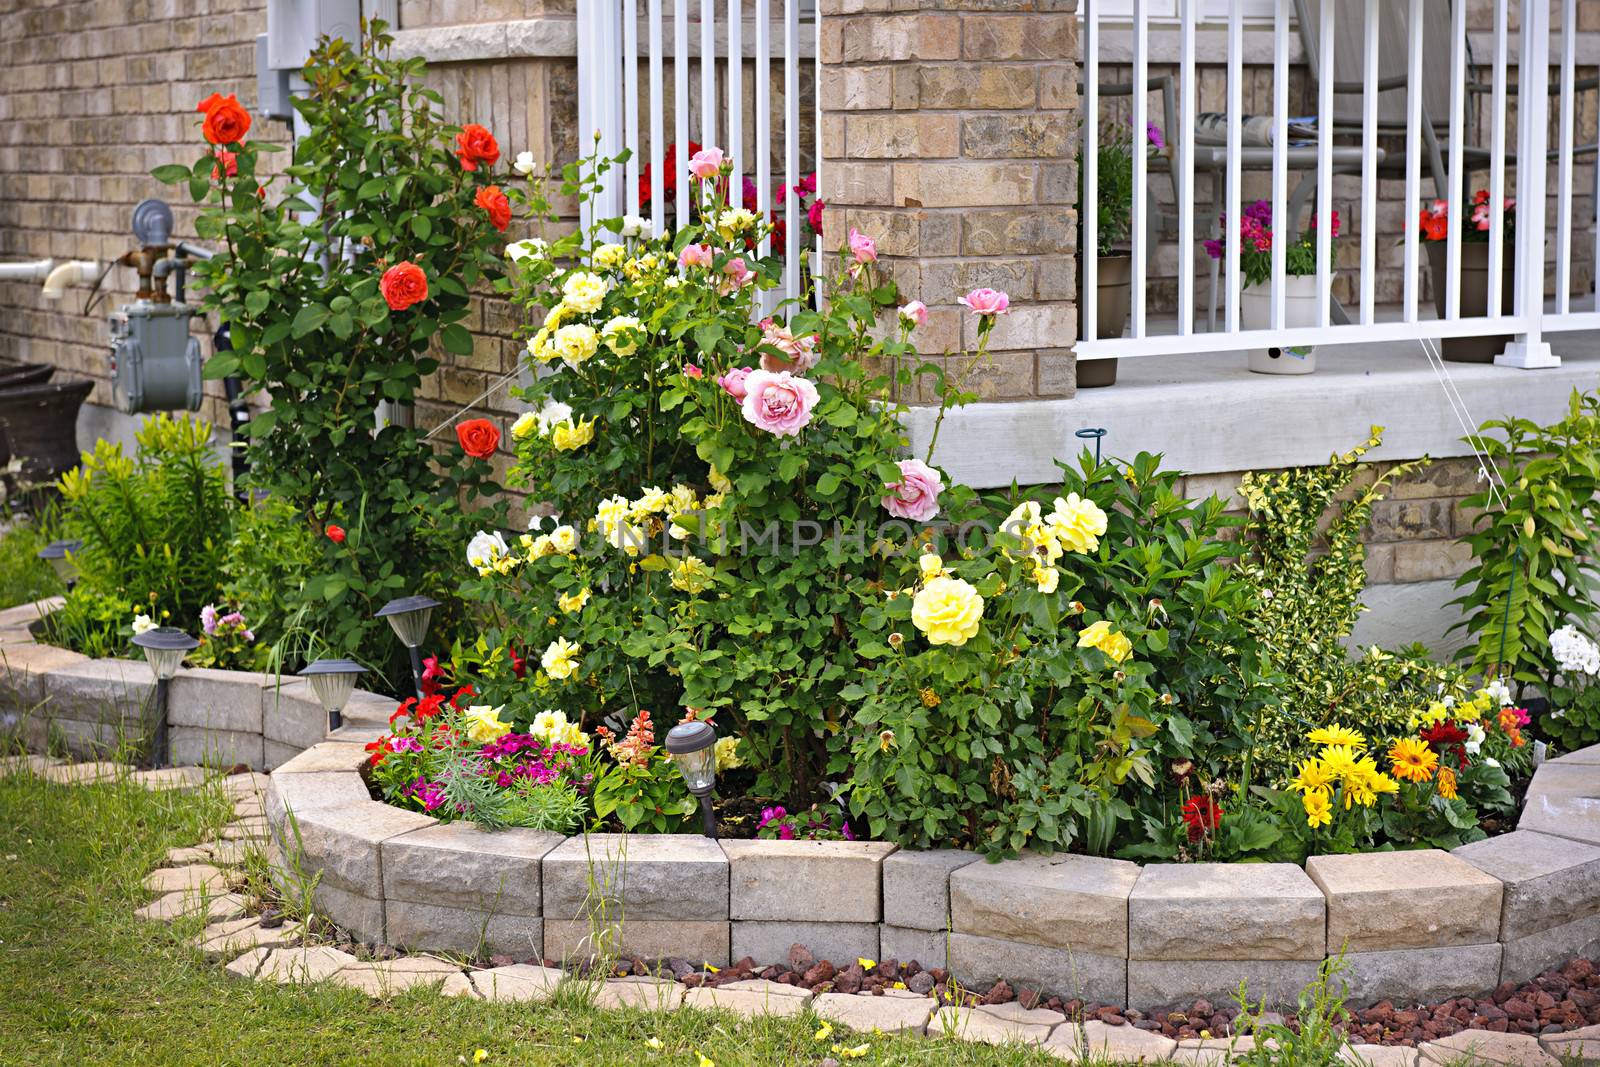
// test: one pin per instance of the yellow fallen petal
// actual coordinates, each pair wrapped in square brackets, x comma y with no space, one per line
[655,1043]
[480,1055]
[851,1053]
[866,964]
[824,1032]
[705,1061]
[712,969]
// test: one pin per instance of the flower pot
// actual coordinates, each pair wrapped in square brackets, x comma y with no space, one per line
[39,425]
[1474,296]
[1301,307]
[1113,295]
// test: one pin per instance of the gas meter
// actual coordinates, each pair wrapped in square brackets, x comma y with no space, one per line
[155,361]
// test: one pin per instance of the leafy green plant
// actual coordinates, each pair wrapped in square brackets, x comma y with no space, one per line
[1114,158]
[1318,1039]
[23,575]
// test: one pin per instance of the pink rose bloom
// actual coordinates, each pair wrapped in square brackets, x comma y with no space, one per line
[692,371]
[706,163]
[695,256]
[778,403]
[799,353]
[916,495]
[733,382]
[864,248]
[738,274]
[987,302]
[915,313]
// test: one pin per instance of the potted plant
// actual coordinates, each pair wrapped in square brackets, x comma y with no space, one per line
[1474,276]
[1302,301]
[1114,263]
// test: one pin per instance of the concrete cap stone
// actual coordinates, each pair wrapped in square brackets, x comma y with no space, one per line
[517,983]
[1379,901]
[809,881]
[1565,780]
[344,841]
[644,993]
[916,886]
[327,756]
[385,978]
[1226,911]
[1098,1042]
[1572,817]
[698,942]
[769,998]
[1061,901]
[1378,1056]
[652,876]
[460,865]
[301,965]
[1590,755]
[216,699]
[996,1027]
[1548,880]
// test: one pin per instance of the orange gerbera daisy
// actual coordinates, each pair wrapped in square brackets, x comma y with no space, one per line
[1447,783]
[1413,760]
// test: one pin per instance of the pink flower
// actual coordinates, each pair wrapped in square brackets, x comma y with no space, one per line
[914,314]
[733,382]
[738,274]
[695,256]
[778,403]
[916,495]
[798,353]
[692,371]
[706,163]
[864,248]
[986,302]
[814,216]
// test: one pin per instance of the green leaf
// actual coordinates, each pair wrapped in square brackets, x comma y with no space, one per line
[308,319]
[171,173]
[422,226]
[456,339]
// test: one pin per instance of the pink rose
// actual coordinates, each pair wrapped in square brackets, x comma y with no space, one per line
[798,353]
[987,302]
[733,382]
[914,314]
[916,495]
[695,256]
[738,274]
[864,248]
[690,370]
[706,163]
[778,403]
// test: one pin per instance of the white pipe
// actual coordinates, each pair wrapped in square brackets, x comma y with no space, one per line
[26,272]
[73,272]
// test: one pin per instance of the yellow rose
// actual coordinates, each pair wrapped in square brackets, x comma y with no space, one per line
[575,602]
[560,660]
[608,256]
[539,346]
[555,317]
[1047,579]
[930,565]
[1078,523]
[691,575]
[622,334]
[947,611]
[583,291]
[727,751]
[568,438]
[525,425]
[575,343]
[564,539]
[719,481]
[1100,635]
[483,723]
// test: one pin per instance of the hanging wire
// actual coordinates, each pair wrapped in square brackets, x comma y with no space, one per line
[1094,434]
[494,387]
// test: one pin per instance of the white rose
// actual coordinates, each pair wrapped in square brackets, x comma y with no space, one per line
[486,549]
[523,164]
[142,624]
[552,414]
[528,249]
[634,226]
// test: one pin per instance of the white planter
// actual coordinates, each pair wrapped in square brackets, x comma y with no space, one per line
[1301,307]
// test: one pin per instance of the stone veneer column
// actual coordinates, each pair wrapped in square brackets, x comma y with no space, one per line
[950,134]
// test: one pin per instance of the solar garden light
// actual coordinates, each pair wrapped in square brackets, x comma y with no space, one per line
[333,680]
[59,554]
[693,747]
[164,649]
[409,616]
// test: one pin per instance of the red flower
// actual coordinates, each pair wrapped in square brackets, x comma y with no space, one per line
[465,693]
[492,200]
[814,216]
[380,750]
[335,533]
[519,666]
[669,165]
[429,706]
[229,164]
[1446,738]
[404,710]
[431,673]
[479,437]
[402,285]
[226,121]
[1202,815]
[474,145]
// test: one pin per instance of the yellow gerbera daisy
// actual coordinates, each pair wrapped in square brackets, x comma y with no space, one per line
[1411,758]
[1338,760]
[1337,735]
[1313,778]
[1319,810]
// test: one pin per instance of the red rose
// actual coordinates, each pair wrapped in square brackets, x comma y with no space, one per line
[479,437]
[492,200]
[226,120]
[335,533]
[475,145]
[404,284]
[229,164]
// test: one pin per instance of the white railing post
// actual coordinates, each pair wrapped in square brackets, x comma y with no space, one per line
[1530,350]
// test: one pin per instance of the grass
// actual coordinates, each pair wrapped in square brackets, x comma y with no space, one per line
[83,981]
[23,576]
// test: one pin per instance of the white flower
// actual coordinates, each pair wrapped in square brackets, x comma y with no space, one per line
[552,414]
[634,226]
[1491,761]
[1475,736]
[1573,652]
[142,624]
[531,248]
[1499,691]
[487,551]
[523,164]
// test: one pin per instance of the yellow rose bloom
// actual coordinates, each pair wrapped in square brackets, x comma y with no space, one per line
[1077,523]
[1027,522]
[691,575]
[622,334]
[1047,579]
[1337,735]
[560,660]
[1411,758]
[583,291]
[930,565]
[564,539]
[1100,635]
[539,346]
[483,723]
[1319,810]
[568,438]
[607,256]
[525,425]
[727,751]
[947,611]
[575,343]
[574,602]
[719,481]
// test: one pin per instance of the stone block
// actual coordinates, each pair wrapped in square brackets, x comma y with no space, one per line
[468,931]
[642,993]
[981,961]
[1096,1042]
[98,690]
[362,916]
[217,700]
[1524,957]
[25,615]
[916,887]
[1381,901]
[1225,911]
[750,999]
[904,135]
[1588,756]
[812,881]
[1581,1045]
[322,757]
[1486,1047]
[964,184]
[969,87]
[304,965]
[196,877]
[997,1024]
[769,942]
[1378,1056]
[518,983]
[1548,881]
[1212,1051]
[344,842]
[643,876]
[296,794]
[931,948]
[1154,983]
[696,941]
[214,748]
[889,1015]
[291,714]
[1028,36]
[225,939]
[459,865]
[24,668]
[275,754]
[1565,780]
[1029,136]
[1417,975]
[1577,818]
[385,978]
[1077,903]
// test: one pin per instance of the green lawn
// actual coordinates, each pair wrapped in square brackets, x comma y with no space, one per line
[83,982]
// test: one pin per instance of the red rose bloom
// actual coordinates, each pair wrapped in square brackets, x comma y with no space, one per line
[402,285]
[474,145]
[479,438]
[492,200]
[228,163]
[1201,815]
[226,121]
[335,533]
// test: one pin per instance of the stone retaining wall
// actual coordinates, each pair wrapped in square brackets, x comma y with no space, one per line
[1413,926]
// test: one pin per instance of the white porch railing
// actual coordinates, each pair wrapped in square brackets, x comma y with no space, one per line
[726,57]
[1354,25]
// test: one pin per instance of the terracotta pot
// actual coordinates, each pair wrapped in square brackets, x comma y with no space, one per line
[1113,296]
[1302,306]
[1474,296]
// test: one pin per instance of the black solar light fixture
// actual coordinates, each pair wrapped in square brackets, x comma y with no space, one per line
[333,680]
[164,648]
[409,616]
[693,747]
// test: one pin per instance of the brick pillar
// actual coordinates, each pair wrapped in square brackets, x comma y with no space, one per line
[951,136]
